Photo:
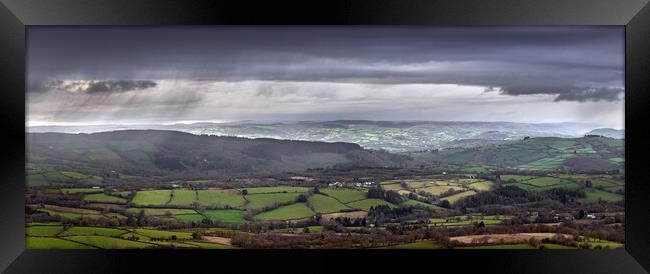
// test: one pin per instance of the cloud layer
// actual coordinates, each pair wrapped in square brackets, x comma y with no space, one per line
[99,86]
[194,72]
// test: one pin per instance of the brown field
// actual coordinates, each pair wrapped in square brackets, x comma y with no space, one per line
[506,238]
[351,214]
[217,240]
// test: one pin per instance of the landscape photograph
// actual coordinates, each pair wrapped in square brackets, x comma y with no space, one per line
[314,137]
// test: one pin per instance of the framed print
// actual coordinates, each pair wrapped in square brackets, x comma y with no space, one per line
[508,135]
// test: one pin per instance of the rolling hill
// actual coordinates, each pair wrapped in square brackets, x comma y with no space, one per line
[147,152]
[546,153]
[393,136]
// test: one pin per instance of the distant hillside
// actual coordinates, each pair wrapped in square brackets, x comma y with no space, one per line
[146,152]
[608,132]
[393,136]
[547,153]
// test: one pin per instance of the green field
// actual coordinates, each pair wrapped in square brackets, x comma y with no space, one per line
[548,163]
[421,204]
[602,244]
[45,230]
[518,178]
[100,231]
[367,203]
[152,197]
[546,181]
[277,189]
[265,200]
[70,215]
[425,244]
[294,211]
[103,198]
[151,233]
[225,215]
[208,245]
[512,246]
[196,217]
[52,243]
[454,198]
[325,204]
[81,190]
[437,190]
[220,198]
[595,195]
[109,242]
[344,195]
[482,186]
[392,186]
[182,197]
[160,211]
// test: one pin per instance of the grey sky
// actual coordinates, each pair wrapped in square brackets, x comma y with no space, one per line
[161,75]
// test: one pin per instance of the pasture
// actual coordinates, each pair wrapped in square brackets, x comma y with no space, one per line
[289,212]
[99,231]
[160,211]
[152,197]
[108,242]
[416,203]
[103,198]
[424,244]
[277,189]
[265,200]
[594,195]
[220,198]
[44,230]
[344,195]
[325,204]
[454,198]
[182,197]
[52,243]
[189,217]
[152,233]
[225,215]
[81,190]
[366,204]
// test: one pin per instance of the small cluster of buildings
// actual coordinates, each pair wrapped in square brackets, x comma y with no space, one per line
[366,184]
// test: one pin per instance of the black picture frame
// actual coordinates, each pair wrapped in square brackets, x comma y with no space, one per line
[15,15]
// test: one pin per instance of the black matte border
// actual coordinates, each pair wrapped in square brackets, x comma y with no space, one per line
[16,14]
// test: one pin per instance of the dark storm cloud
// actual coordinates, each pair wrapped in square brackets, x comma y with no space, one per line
[571,63]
